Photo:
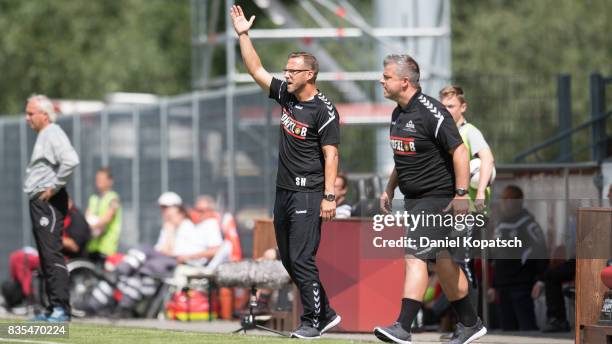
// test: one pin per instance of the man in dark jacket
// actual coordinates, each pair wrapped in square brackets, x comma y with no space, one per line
[517,269]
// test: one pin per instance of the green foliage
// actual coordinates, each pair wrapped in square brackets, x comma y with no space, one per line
[508,55]
[85,49]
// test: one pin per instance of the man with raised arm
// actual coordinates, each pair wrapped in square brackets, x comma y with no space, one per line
[307,169]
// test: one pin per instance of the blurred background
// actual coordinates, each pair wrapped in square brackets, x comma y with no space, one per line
[157,91]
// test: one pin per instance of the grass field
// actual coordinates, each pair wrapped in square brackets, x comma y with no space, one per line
[103,334]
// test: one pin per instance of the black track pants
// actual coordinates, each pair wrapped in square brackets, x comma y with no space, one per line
[297,225]
[47,222]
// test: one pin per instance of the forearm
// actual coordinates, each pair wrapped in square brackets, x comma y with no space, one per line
[70,245]
[461,166]
[69,162]
[208,254]
[105,219]
[486,170]
[249,54]
[331,169]
[392,183]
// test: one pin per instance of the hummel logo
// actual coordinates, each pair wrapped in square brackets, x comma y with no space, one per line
[300,211]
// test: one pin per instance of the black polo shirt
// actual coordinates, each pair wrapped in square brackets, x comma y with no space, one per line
[421,136]
[305,127]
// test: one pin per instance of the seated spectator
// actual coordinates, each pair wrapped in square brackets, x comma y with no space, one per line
[560,271]
[515,277]
[22,263]
[179,242]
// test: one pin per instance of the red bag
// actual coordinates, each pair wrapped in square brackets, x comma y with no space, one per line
[191,305]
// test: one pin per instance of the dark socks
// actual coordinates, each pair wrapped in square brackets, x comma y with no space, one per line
[410,308]
[465,312]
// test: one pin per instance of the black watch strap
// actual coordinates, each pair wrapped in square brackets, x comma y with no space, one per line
[330,197]
[461,192]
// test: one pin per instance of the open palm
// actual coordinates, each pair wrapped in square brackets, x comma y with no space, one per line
[241,25]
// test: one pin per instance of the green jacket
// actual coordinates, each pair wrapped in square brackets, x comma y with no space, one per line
[108,241]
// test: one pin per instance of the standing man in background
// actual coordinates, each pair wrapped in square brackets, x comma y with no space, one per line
[104,217]
[52,163]
[453,98]
[308,165]
[432,171]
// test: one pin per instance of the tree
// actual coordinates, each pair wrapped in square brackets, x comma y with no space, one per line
[86,49]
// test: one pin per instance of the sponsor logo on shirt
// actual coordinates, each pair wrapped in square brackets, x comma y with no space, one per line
[293,127]
[403,146]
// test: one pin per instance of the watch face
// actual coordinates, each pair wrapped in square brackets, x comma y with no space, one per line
[461,192]
[330,197]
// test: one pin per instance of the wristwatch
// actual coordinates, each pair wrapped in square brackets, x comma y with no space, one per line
[461,192]
[330,197]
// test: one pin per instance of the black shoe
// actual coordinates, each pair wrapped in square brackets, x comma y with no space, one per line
[306,332]
[556,325]
[330,323]
[464,334]
[393,334]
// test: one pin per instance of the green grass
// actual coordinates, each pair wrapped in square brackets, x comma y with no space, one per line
[103,334]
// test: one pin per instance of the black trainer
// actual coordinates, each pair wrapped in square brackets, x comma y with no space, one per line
[556,325]
[306,332]
[331,323]
[465,335]
[393,334]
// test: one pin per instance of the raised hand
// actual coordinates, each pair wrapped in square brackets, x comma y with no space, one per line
[241,25]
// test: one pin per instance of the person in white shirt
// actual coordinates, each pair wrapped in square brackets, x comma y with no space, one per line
[179,242]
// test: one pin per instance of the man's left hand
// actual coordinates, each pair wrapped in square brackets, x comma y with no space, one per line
[46,195]
[328,210]
[479,203]
[459,205]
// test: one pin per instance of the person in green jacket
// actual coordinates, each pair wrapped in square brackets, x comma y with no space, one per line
[104,217]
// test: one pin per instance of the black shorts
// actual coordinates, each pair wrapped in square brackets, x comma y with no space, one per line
[430,230]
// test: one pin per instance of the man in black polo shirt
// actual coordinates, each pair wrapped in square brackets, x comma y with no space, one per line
[308,165]
[431,170]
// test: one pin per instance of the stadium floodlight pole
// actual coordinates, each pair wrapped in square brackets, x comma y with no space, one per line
[230,55]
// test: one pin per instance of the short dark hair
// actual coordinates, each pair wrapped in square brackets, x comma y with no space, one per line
[514,192]
[310,61]
[105,170]
[405,66]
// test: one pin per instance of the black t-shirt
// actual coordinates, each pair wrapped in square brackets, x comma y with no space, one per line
[78,230]
[421,136]
[304,129]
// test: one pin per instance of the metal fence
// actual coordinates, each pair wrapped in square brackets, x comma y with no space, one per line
[180,144]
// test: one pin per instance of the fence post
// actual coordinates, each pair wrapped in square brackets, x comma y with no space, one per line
[598,128]
[564,101]
[136,170]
